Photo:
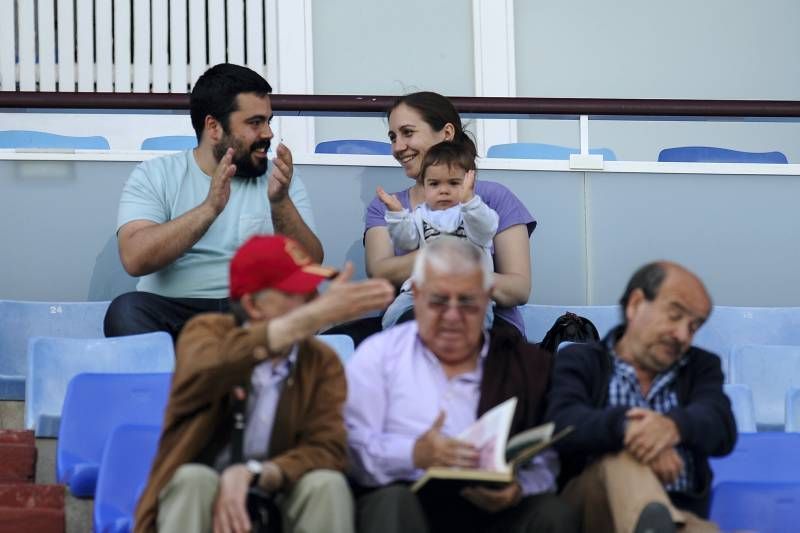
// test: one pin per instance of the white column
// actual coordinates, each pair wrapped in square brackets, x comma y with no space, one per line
[290,66]
[495,68]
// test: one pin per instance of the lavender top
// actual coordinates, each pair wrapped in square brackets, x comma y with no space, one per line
[496,196]
[396,388]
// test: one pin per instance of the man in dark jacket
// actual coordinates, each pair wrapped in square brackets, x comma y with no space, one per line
[648,410]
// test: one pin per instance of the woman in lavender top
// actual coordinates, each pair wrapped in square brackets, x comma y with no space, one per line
[418,121]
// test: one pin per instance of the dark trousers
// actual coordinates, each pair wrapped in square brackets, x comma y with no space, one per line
[395,509]
[143,312]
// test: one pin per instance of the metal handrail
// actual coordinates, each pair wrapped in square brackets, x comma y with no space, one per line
[310,104]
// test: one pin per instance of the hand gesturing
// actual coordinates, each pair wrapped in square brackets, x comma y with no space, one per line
[389,200]
[281,176]
[468,189]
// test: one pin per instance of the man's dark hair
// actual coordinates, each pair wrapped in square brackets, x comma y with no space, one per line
[649,279]
[450,154]
[216,90]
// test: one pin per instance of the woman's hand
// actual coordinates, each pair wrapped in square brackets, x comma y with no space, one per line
[380,259]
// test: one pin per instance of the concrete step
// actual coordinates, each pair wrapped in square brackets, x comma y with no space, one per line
[12,415]
[46,460]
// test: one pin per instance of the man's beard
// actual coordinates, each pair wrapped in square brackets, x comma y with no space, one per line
[242,157]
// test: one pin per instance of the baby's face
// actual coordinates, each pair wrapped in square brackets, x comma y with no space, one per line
[443,186]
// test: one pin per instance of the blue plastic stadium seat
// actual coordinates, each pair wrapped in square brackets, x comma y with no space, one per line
[762,507]
[342,344]
[760,457]
[769,371]
[127,458]
[53,362]
[731,326]
[539,319]
[793,410]
[354,146]
[94,405]
[712,154]
[543,151]
[741,398]
[21,320]
[170,142]
[40,139]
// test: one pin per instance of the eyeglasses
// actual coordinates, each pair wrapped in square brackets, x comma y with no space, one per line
[464,303]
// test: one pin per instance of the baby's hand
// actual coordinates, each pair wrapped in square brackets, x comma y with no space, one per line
[468,189]
[389,200]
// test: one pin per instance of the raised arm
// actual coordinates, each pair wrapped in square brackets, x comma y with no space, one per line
[212,359]
[286,217]
[146,246]
[480,220]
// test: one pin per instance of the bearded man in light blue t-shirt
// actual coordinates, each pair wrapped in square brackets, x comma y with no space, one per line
[182,216]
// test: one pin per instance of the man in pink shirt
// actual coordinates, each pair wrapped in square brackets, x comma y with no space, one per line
[416,385]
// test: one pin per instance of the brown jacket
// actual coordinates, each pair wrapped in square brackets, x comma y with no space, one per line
[213,356]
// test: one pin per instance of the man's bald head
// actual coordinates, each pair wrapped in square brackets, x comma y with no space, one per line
[663,307]
[651,276]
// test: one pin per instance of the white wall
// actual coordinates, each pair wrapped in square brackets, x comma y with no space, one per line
[715,49]
[389,47]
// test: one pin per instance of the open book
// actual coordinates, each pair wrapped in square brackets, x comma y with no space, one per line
[499,455]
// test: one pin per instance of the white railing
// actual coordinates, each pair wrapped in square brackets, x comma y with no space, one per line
[126,45]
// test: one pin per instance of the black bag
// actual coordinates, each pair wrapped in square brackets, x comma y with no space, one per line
[569,327]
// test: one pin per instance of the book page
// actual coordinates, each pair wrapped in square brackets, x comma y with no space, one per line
[528,438]
[489,435]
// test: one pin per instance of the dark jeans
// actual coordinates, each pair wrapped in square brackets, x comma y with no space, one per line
[395,509]
[143,312]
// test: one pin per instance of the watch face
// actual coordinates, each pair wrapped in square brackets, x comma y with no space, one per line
[254,467]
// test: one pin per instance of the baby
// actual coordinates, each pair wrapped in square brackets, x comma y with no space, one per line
[451,208]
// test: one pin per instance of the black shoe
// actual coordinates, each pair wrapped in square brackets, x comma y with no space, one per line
[655,518]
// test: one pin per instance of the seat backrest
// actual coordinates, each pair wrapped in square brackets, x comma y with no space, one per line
[109,278]
[762,507]
[741,398]
[769,371]
[40,139]
[712,154]
[539,319]
[53,362]
[543,151]
[354,146]
[170,142]
[760,457]
[125,465]
[21,320]
[792,410]
[342,344]
[729,326]
[94,405]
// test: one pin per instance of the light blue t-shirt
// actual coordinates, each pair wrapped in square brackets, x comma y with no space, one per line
[164,188]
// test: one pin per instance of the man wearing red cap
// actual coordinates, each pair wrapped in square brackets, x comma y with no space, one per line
[293,441]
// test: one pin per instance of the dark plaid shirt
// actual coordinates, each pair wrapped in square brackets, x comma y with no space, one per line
[624,390]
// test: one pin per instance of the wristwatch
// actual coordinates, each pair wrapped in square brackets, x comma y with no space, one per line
[255,468]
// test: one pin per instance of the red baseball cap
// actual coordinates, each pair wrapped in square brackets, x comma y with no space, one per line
[274,262]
